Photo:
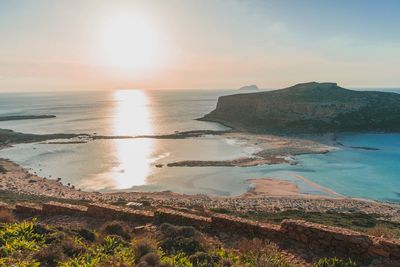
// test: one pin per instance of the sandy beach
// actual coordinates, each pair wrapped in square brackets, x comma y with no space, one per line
[273,187]
[276,187]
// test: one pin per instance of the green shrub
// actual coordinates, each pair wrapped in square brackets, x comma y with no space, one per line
[72,248]
[117,228]
[87,260]
[142,248]
[176,260]
[151,259]
[50,255]
[111,243]
[86,234]
[203,259]
[334,262]
[20,238]
[176,239]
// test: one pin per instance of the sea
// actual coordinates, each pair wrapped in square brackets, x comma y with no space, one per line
[109,165]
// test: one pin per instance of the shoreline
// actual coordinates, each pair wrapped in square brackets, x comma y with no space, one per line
[20,181]
[16,179]
[317,186]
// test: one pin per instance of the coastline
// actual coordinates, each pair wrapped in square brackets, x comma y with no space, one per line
[20,181]
[267,195]
[317,186]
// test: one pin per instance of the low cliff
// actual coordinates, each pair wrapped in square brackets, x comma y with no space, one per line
[310,108]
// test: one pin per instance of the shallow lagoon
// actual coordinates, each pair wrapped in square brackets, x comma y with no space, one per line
[130,164]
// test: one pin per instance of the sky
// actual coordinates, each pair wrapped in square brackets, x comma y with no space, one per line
[48,45]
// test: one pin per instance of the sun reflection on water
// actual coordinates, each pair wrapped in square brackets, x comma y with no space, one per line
[132,117]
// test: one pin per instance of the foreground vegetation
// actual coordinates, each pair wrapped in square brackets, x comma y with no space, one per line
[31,244]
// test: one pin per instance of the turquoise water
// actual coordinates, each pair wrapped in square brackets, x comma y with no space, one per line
[360,173]
[109,165]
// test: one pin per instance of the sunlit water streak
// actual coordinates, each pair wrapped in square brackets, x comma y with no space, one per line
[133,156]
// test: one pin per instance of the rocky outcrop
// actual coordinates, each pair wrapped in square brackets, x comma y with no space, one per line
[309,108]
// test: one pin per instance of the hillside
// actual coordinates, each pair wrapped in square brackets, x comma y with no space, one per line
[308,108]
[94,234]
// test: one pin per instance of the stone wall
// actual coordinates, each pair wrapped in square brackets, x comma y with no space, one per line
[316,237]
[181,218]
[117,212]
[248,228]
[339,241]
[28,208]
[63,208]
[6,207]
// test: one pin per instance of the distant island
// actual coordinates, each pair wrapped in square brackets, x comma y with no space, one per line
[249,88]
[310,108]
[25,117]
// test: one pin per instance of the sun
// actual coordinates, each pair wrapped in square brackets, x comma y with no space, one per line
[130,42]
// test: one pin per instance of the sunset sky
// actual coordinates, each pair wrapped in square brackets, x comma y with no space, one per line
[90,45]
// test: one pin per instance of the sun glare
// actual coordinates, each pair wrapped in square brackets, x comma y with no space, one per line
[132,117]
[130,42]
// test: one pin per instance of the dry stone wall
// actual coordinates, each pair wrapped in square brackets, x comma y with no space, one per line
[316,237]
[117,212]
[28,208]
[181,218]
[340,241]
[63,208]
[249,228]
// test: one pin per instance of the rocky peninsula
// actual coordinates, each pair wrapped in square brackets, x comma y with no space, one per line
[25,117]
[309,108]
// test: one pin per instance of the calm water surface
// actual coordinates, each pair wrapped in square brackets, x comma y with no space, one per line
[129,164]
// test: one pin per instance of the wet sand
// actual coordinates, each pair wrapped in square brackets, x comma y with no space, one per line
[317,186]
[268,149]
[277,187]
[273,187]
